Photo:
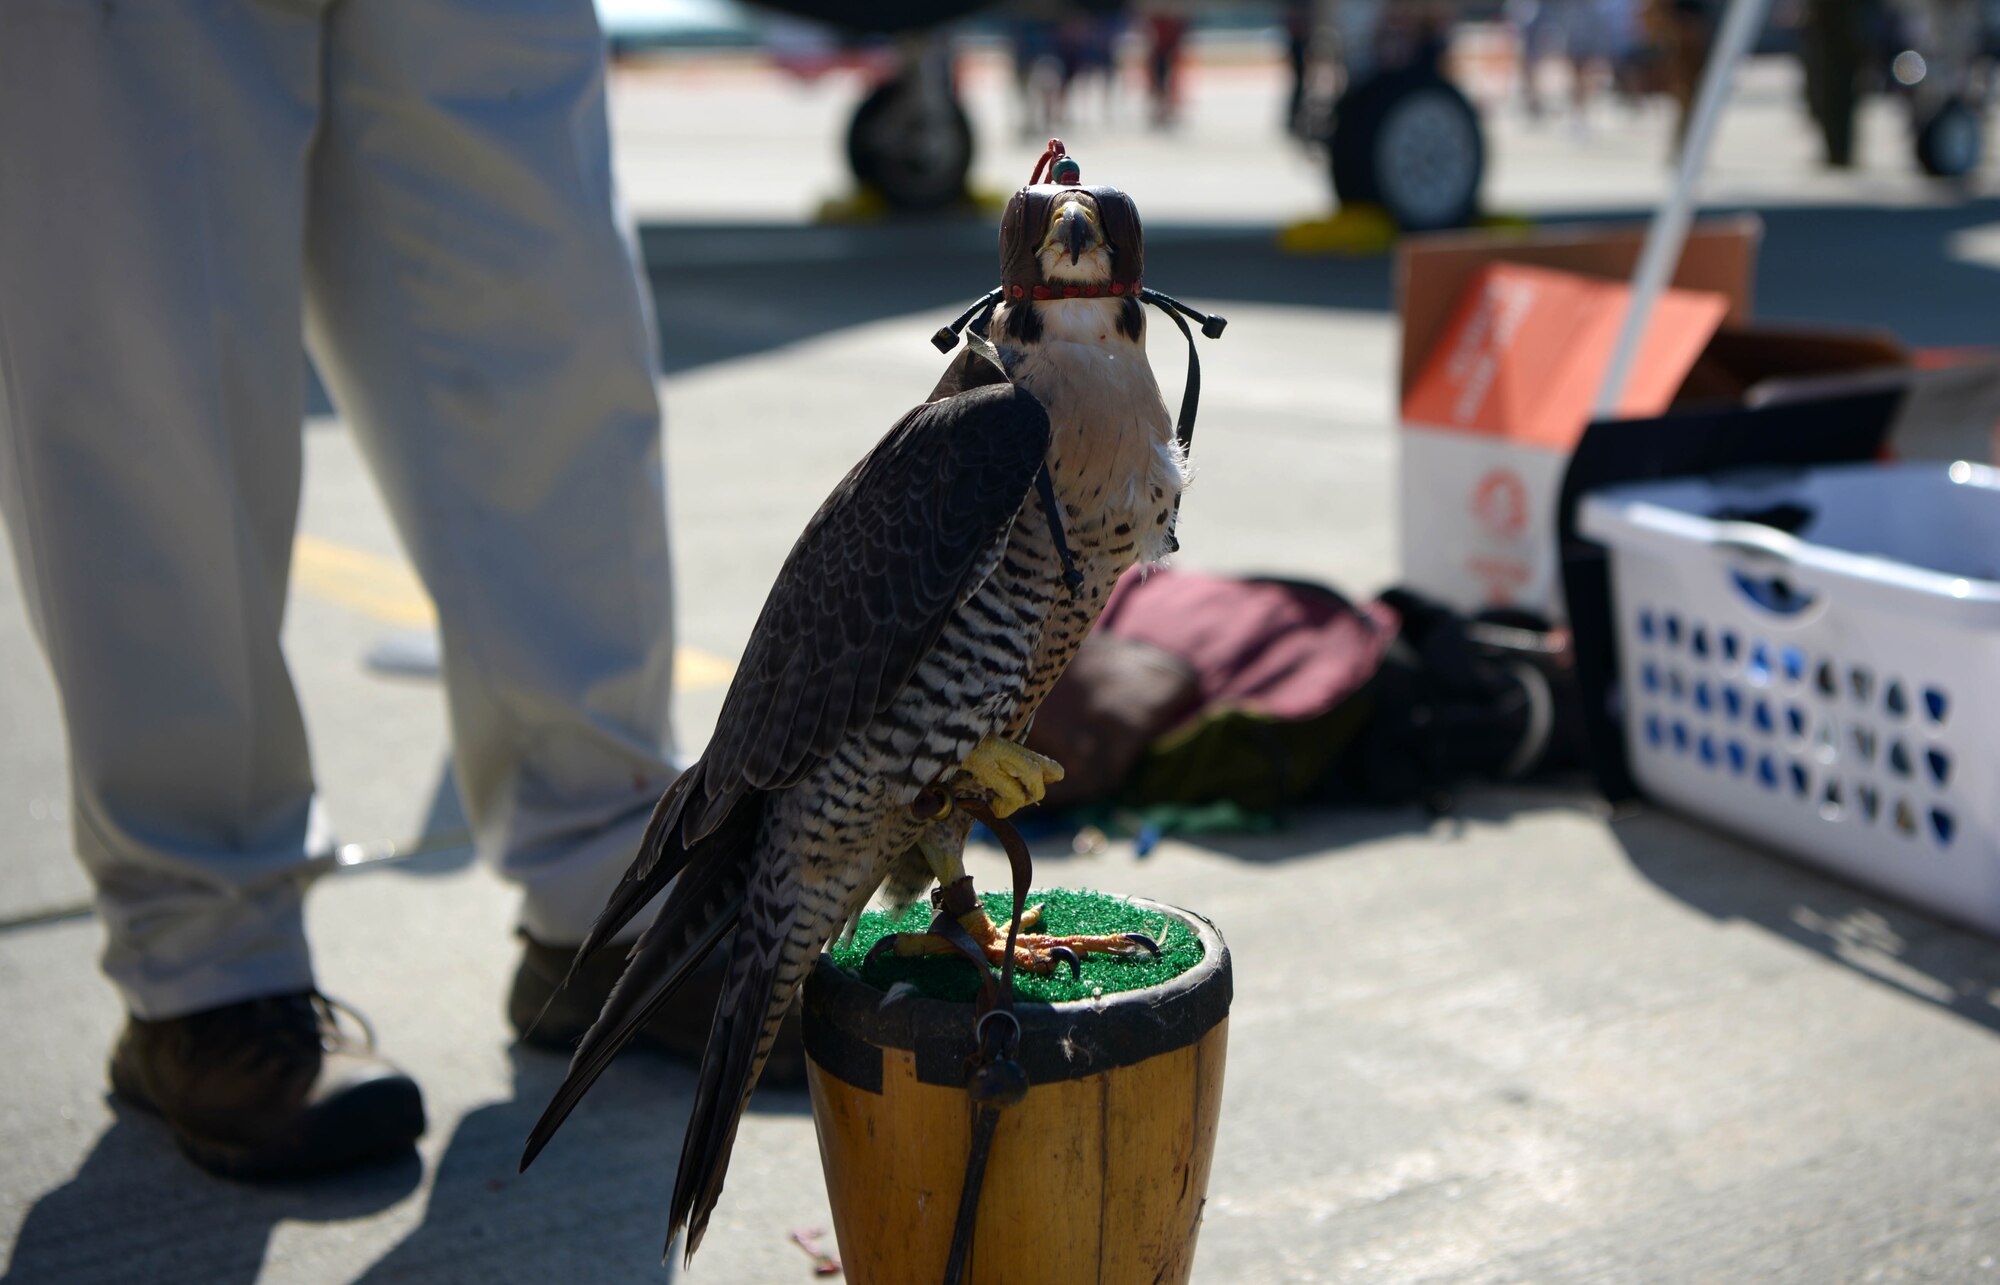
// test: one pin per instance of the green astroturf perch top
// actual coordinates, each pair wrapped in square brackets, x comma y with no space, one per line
[1064,910]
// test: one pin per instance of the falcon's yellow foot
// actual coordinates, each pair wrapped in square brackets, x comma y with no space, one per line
[1013,776]
[1034,952]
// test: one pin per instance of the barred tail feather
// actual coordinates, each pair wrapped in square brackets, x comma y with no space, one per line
[703,906]
[746,1020]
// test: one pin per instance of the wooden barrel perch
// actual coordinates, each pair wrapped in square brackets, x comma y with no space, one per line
[1099,1174]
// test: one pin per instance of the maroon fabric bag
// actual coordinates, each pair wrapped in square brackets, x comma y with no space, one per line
[1175,646]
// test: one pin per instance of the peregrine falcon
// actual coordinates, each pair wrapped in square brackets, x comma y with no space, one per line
[913,630]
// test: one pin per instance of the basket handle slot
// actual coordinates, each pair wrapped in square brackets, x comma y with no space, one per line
[1775,594]
[1770,588]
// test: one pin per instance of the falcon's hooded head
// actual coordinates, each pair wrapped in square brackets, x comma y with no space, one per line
[1075,248]
[1064,240]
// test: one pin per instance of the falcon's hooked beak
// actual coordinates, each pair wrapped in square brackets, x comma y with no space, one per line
[1073,231]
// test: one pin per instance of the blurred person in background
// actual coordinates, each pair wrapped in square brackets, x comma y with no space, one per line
[1834,49]
[1623,27]
[1593,36]
[428,185]
[1038,72]
[1683,31]
[1166,24]
[1060,47]
[1087,45]
[1299,20]
[1535,31]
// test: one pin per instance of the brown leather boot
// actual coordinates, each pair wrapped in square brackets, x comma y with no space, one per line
[680,1028]
[269,1087]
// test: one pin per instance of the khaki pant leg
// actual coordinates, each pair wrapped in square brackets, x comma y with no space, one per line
[475,308]
[152,174]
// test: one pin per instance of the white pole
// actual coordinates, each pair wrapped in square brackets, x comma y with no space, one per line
[1668,233]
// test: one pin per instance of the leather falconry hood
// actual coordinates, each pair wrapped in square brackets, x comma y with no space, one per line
[1026,222]
[1022,227]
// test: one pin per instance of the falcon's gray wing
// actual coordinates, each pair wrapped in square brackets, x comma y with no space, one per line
[861,598]
[869,585]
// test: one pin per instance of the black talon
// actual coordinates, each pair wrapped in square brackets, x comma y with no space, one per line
[1144,942]
[884,946]
[1065,955]
[954,933]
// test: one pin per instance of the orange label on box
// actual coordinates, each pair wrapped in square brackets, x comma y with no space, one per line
[1500,502]
[1527,348]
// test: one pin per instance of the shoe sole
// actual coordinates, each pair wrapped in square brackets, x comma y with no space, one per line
[370,1122]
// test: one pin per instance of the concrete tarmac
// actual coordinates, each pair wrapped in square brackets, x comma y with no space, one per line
[1531,1042]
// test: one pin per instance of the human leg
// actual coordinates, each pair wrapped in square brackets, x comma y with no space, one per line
[477,313]
[152,162]
[149,467]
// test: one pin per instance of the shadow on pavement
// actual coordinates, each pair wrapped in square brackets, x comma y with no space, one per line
[1298,831]
[1305,831]
[594,1207]
[1902,270]
[1889,943]
[1868,266]
[724,292]
[444,840]
[1328,830]
[136,1210]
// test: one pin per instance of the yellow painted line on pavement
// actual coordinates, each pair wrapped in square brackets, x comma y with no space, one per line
[380,588]
[386,589]
[697,669]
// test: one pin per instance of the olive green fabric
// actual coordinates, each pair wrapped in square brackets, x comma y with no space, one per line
[1254,760]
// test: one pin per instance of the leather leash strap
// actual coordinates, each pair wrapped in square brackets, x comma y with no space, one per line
[994,1080]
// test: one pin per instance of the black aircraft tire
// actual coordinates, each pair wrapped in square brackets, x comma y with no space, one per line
[1351,145]
[1951,142]
[914,162]
[1410,142]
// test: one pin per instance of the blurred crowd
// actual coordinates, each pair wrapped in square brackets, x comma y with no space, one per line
[1067,55]
[1568,56]
[1931,51]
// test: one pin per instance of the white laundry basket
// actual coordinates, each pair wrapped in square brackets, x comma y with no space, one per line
[1833,692]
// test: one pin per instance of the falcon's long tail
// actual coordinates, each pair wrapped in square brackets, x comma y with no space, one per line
[754,1001]
[662,854]
[705,904]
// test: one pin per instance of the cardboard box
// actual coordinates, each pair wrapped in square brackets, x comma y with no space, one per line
[1505,341]
[1506,338]
[1493,415]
